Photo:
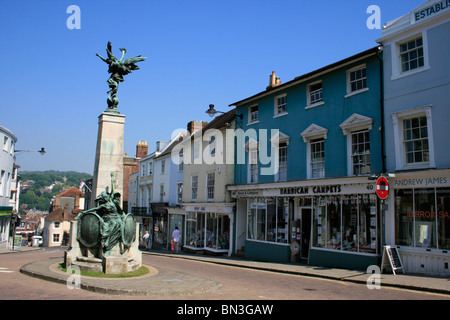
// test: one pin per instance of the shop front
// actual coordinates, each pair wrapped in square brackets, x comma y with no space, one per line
[5,221]
[160,222]
[208,227]
[328,222]
[177,218]
[420,220]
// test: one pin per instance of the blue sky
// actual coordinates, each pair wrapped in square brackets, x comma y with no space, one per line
[53,87]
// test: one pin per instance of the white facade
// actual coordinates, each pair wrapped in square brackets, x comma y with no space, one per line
[8,174]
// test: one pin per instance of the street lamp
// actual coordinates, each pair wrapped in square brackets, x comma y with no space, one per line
[212,112]
[42,151]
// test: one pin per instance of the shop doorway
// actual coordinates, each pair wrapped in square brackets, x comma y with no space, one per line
[306,232]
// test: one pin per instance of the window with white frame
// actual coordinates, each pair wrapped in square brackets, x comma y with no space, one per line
[315,136]
[194,187]
[180,161]
[253,166]
[280,105]
[163,166]
[315,93]
[357,79]
[253,114]
[415,140]
[317,158]
[56,225]
[357,129]
[414,147]
[143,170]
[56,238]
[196,152]
[210,179]
[212,145]
[180,193]
[150,168]
[360,152]
[282,162]
[411,54]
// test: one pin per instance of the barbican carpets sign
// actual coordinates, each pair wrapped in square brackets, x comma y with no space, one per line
[429,11]
[314,189]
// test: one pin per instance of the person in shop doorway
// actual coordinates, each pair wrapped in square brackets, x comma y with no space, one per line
[146,240]
[176,235]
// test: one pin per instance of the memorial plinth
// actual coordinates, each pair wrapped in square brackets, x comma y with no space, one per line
[109,153]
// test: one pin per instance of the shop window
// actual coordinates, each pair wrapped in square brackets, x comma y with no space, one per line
[195,223]
[217,231]
[422,217]
[256,219]
[345,223]
[268,220]
[443,210]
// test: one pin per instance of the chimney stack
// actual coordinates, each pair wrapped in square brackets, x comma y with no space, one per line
[142,149]
[273,81]
[193,126]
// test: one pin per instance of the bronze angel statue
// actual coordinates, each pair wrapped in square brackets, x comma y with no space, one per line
[117,69]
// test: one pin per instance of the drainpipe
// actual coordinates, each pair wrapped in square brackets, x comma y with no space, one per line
[383,156]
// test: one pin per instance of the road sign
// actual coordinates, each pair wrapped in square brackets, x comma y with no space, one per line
[382,187]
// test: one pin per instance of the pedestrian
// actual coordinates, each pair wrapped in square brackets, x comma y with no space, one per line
[146,237]
[176,235]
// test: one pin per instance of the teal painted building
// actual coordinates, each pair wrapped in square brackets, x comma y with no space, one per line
[303,158]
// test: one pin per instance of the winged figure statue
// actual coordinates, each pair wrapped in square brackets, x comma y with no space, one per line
[117,69]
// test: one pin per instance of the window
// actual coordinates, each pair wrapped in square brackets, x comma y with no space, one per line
[315,93]
[143,170]
[360,153]
[212,145]
[180,161]
[161,192]
[210,185]
[357,79]
[415,140]
[315,136]
[194,187]
[253,166]
[163,166]
[196,152]
[280,105]
[253,114]
[411,54]
[422,218]
[56,238]
[317,158]
[347,223]
[56,225]
[282,162]
[5,143]
[180,193]
[150,168]
[268,219]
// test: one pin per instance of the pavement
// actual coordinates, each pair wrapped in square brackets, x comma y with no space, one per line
[166,282]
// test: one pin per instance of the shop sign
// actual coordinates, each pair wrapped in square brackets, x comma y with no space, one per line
[430,11]
[311,190]
[421,182]
[245,193]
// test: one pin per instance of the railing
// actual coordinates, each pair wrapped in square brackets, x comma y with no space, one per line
[140,211]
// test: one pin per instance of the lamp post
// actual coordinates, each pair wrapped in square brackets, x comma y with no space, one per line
[42,151]
[212,112]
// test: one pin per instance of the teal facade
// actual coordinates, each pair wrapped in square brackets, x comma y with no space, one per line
[337,109]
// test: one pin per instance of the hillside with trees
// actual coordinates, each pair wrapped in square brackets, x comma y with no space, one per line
[39,187]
